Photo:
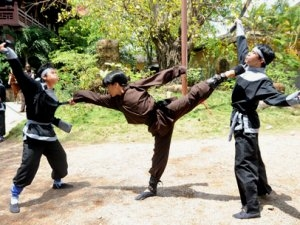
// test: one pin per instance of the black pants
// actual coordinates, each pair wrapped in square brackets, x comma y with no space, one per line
[250,170]
[2,123]
[32,153]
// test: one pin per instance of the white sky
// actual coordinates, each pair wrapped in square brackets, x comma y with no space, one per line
[270,2]
[224,29]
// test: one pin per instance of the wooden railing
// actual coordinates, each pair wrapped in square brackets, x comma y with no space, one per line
[13,16]
[28,20]
[6,15]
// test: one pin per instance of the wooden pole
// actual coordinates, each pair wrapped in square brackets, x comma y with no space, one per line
[184,44]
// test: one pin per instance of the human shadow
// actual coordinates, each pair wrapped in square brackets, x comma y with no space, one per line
[184,191]
[54,194]
[280,202]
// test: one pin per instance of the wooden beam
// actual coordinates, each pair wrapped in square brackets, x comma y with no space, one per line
[184,50]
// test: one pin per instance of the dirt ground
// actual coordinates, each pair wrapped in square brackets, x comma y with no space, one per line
[198,185]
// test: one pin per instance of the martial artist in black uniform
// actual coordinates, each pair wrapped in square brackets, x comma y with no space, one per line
[39,136]
[251,87]
[2,110]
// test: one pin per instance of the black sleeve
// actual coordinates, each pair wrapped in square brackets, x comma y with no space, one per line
[243,49]
[270,95]
[55,121]
[28,85]
[2,93]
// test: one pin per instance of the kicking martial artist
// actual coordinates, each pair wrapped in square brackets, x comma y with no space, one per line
[139,107]
[38,134]
[251,87]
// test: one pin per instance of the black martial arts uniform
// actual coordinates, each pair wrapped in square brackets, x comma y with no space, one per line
[251,87]
[2,110]
[38,133]
[139,107]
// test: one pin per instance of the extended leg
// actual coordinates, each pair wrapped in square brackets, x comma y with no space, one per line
[159,163]
[32,152]
[198,93]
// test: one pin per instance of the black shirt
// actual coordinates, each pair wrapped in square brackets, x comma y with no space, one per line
[41,105]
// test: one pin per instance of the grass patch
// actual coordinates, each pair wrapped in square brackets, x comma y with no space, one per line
[93,124]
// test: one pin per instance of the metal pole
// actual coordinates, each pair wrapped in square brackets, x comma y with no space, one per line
[184,44]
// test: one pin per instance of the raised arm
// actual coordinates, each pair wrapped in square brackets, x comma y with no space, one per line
[160,78]
[271,96]
[27,84]
[94,98]
[241,42]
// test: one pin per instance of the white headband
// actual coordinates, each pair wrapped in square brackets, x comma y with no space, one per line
[256,49]
[45,71]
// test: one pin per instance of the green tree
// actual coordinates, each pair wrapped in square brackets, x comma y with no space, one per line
[72,36]
[151,24]
[32,44]
[279,26]
[4,68]
[76,70]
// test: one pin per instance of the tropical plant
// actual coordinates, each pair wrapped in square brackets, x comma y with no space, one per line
[32,44]
[279,26]
[4,68]
[76,70]
[72,36]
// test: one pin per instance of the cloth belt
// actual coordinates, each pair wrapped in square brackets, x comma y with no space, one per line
[233,123]
[2,106]
[36,136]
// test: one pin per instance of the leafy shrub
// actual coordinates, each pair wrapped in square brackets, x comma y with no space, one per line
[134,76]
[195,75]
[284,69]
[4,69]
[77,70]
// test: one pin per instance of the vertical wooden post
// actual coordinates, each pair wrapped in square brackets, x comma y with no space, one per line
[16,19]
[184,49]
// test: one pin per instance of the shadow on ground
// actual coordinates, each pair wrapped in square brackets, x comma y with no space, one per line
[52,194]
[184,191]
[187,191]
[280,201]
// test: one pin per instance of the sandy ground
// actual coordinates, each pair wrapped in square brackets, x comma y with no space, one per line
[198,185]
[13,115]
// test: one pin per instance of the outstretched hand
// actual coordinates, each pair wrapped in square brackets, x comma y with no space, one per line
[182,69]
[72,102]
[238,21]
[238,70]
[2,47]
[229,74]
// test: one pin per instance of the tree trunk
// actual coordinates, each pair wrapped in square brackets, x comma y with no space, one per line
[168,52]
[149,52]
[107,52]
[26,59]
